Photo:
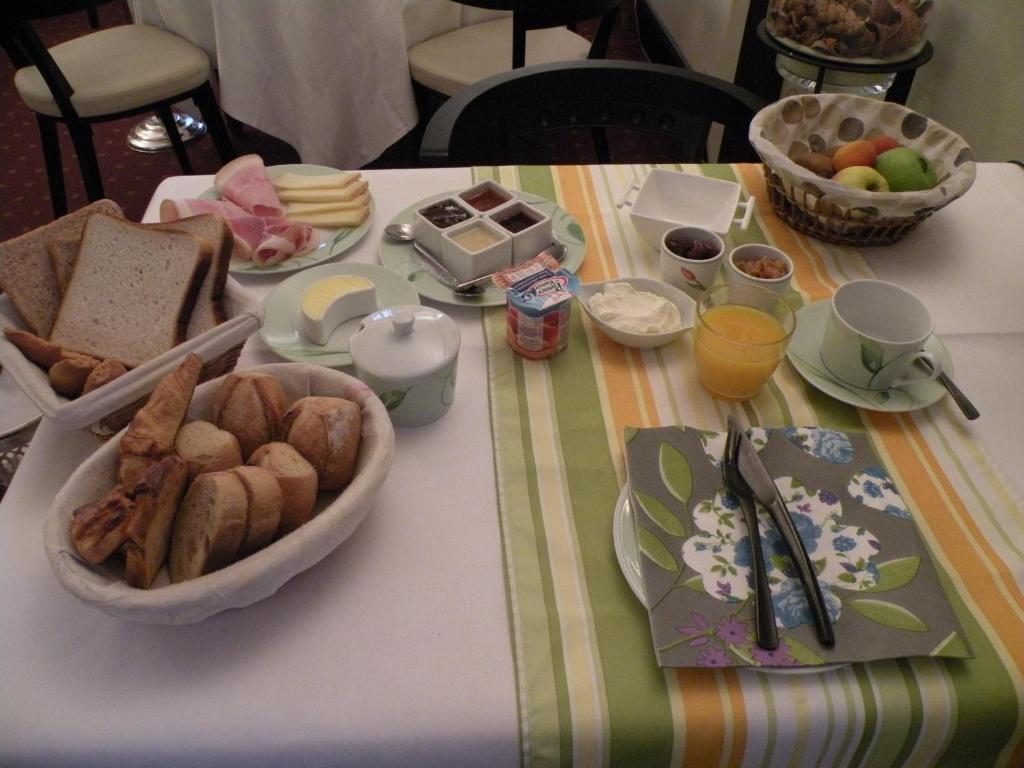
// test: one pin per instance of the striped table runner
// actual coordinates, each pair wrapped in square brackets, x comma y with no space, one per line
[589,690]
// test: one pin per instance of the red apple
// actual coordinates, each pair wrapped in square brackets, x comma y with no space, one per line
[885,143]
[859,152]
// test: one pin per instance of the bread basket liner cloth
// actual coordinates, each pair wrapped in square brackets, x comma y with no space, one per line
[245,315]
[255,577]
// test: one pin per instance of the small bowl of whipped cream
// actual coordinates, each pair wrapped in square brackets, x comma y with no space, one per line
[637,311]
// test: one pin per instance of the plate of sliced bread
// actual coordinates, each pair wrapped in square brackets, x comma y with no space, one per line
[215,495]
[97,308]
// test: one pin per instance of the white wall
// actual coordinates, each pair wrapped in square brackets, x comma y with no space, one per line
[973,85]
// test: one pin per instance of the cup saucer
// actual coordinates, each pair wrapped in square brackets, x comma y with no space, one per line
[804,353]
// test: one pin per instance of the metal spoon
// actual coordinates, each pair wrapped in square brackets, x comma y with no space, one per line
[556,249]
[402,233]
[965,405]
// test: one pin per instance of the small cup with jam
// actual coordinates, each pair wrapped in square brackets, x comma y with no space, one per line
[762,265]
[690,258]
[430,222]
[485,196]
[529,228]
[475,248]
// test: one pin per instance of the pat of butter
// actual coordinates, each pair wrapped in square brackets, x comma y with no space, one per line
[329,302]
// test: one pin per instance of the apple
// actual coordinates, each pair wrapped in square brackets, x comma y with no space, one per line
[859,152]
[862,177]
[906,170]
[884,143]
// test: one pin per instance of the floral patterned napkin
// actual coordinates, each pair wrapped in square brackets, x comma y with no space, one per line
[879,583]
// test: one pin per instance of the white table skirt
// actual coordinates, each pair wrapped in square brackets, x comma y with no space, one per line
[395,649]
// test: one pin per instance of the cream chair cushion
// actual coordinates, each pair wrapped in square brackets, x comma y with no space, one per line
[118,69]
[449,62]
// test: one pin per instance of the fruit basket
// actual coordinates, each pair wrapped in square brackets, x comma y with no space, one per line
[838,213]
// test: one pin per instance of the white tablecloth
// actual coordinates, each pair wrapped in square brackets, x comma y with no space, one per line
[395,649]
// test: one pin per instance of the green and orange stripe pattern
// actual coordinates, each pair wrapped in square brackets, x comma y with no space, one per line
[589,690]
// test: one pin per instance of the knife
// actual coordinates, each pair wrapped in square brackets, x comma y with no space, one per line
[764,611]
[765,491]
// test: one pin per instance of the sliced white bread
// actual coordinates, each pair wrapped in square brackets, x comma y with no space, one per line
[249,405]
[155,502]
[326,431]
[131,292]
[209,527]
[63,253]
[265,504]
[207,448]
[297,479]
[209,309]
[27,275]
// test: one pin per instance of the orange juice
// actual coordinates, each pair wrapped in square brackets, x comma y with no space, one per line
[738,348]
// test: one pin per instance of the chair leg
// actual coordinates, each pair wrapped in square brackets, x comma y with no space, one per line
[54,165]
[207,103]
[174,135]
[81,137]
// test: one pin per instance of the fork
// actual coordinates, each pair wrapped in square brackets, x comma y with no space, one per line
[767,634]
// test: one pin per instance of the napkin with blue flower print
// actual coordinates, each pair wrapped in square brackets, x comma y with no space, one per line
[880,585]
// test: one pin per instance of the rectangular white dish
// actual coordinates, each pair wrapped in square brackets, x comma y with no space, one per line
[216,347]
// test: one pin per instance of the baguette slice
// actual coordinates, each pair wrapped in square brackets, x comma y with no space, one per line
[265,504]
[209,310]
[297,479]
[209,527]
[131,292]
[207,448]
[155,502]
[27,275]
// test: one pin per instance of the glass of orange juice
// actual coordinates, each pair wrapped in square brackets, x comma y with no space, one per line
[740,336]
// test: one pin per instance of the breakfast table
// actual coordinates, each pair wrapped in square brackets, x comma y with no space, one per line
[479,616]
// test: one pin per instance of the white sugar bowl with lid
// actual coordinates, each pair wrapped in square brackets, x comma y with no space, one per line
[408,356]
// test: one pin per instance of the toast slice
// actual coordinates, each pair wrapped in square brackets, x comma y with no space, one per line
[210,525]
[131,292]
[154,506]
[209,310]
[63,254]
[27,275]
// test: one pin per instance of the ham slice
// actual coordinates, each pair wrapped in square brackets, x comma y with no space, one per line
[245,182]
[266,240]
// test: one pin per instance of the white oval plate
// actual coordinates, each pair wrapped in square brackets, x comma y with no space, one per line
[281,308]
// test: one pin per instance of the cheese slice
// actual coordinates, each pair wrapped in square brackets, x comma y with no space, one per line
[331,301]
[335,219]
[326,181]
[351,192]
[293,210]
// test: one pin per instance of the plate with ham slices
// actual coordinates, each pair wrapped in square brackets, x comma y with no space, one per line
[284,217]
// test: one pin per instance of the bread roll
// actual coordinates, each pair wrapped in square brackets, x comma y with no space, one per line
[68,375]
[38,350]
[209,527]
[297,479]
[207,448]
[249,405]
[326,431]
[102,374]
[154,505]
[151,433]
[265,504]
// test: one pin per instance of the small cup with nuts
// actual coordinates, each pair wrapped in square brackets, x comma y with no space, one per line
[761,265]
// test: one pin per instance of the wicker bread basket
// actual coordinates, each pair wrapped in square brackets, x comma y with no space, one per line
[834,212]
[107,409]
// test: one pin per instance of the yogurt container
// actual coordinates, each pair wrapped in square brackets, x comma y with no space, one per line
[538,305]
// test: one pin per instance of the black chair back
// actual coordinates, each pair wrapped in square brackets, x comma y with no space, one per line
[509,118]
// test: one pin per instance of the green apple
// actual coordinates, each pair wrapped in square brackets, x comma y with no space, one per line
[906,170]
[862,177]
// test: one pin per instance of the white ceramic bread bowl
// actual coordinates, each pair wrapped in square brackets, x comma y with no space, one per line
[261,574]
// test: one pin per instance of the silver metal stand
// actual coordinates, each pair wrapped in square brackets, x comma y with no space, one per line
[150,136]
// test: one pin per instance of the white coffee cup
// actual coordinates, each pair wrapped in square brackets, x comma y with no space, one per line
[692,276]
[875,333]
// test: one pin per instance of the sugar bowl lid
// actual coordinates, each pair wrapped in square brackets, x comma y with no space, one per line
[405,341]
